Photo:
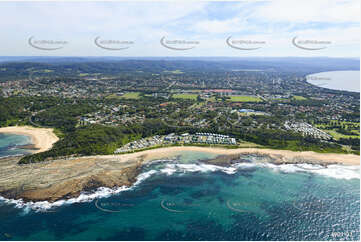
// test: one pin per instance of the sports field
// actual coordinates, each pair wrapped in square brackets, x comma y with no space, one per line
[299,98]
[245,99]
[128,95]
[186,96]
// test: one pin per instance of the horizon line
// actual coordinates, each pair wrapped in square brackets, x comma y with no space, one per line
[106,56]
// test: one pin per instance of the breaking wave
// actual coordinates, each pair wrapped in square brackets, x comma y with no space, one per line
[334,171]
[101,192]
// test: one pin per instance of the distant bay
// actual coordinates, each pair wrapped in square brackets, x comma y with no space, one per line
[336,80]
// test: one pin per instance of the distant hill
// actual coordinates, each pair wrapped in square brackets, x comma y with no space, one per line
[18,67]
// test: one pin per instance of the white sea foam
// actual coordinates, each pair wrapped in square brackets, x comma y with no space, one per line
[183,168]
[334,171]
[101,192]
[340,172]
[170,169]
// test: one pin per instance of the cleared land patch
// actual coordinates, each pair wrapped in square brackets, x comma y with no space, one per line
[186,96]
[128,95]
[245,99]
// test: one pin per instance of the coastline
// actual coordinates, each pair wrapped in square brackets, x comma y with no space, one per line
[42,139]
[69,178]
[327,79]
[280,156]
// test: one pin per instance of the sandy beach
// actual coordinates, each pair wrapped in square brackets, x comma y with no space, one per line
[281,156]
[42,138]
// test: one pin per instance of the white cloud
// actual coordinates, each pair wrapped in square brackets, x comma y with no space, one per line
[145,23]
[309,11]
[226,26]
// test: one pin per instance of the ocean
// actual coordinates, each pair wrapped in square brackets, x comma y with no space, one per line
[186,199]
[9,144]
[337,80]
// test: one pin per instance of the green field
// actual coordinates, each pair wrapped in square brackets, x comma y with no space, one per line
[347,124]
[337,135]
[245,99]
[299,98]
[43,71]
[128,95]
[186,96]
[211,99]
[175,72]
[354,127]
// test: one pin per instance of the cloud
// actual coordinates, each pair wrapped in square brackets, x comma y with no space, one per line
[226,26]
[309,11]
[211,23]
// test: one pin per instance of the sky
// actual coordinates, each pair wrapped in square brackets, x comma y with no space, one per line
[157,28]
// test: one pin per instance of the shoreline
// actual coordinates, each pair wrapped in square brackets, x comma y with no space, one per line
[320,75]
[42,139]
[68,178]
[281,156]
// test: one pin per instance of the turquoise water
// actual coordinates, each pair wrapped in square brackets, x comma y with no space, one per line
[337,80]
[184,199]
[9,143]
